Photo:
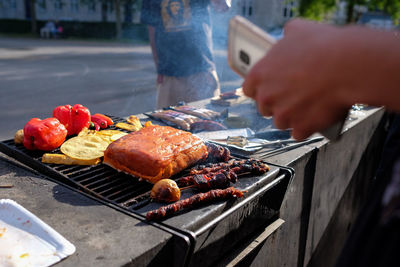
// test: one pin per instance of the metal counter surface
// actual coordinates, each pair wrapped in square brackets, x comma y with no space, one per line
[102,236]
[106,237]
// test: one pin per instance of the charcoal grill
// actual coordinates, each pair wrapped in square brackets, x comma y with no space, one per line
[200,235]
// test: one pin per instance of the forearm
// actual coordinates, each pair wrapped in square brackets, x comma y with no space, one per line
[373,65]
[151,30]
[313,75]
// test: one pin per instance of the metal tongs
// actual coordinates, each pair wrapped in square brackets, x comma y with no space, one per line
[290,147]
[243,142]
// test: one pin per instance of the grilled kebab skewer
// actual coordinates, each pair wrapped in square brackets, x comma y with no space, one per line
[206,177]
[220,175]
[253,166]
[192,202]
[220,179]
[216,153]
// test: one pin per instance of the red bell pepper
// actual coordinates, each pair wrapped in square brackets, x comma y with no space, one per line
[47,134]
[74,118]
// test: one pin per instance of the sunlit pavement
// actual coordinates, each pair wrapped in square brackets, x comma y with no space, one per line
[107,77]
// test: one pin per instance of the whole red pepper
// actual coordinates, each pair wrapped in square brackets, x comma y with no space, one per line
[95,126]
[74,118]
[47,134]
[104,117]
[99,121]
[102,120]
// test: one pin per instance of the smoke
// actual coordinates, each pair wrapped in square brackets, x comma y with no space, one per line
[228,78]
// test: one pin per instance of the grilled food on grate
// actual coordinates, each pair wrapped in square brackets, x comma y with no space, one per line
[202,113]
[64,159]
[253,166]
[220,175]
[179,119]
[87,147]
[206,125]
[218,180]
[217,153]
[192,202]
[165,190]
[155,152]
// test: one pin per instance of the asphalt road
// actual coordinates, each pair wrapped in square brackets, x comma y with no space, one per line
[107,77]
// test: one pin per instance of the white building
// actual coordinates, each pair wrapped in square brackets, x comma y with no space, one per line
[72,10]
[270,15]
[267,14]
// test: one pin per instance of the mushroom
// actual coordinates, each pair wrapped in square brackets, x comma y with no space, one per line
[165,190]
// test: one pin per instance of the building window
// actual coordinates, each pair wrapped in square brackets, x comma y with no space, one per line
[58,5]
[250,9]
[292,7]
[110,7]
[13,4]
[41,4]
[247,8]
[92,6]
[288,10]
[75,5]
[8,4]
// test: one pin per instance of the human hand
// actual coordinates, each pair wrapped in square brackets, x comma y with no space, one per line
[301,80]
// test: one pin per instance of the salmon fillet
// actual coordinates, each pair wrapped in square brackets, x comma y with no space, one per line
[155,152]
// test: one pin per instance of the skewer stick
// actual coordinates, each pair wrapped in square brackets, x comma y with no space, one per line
[6,186]
[187,187]
[243,174]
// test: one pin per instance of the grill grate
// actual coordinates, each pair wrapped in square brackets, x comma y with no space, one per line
[99,180]
[130,195]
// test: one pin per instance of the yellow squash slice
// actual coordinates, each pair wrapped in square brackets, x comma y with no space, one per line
[87,147]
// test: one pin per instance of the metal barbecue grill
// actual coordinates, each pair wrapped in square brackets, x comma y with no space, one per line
[200,235]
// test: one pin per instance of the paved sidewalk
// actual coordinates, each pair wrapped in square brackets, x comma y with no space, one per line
[113,78]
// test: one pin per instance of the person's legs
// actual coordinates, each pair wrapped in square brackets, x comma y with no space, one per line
[170,90]
[202,85]
[44,33]
[54,33]
[192,88]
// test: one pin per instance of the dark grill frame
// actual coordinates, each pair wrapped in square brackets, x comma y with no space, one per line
[127,193]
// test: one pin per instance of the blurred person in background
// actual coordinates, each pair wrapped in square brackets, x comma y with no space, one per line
[181,41]
[308,81]
[48,30]
[59,30]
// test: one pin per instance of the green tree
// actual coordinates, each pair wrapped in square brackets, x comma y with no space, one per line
[319,9]
[350,8]
[391,7]
[316,9]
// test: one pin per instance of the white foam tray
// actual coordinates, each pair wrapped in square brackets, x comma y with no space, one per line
[25,240]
